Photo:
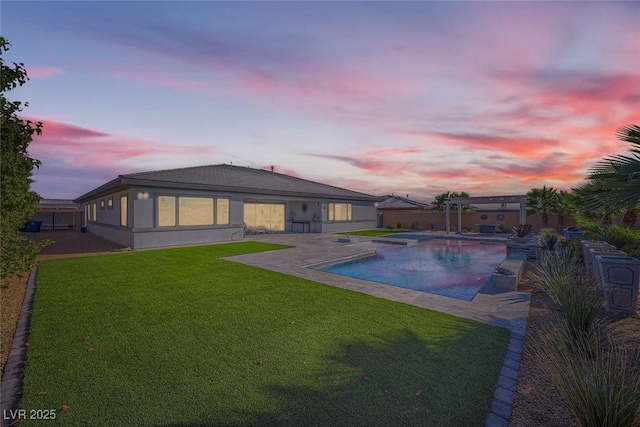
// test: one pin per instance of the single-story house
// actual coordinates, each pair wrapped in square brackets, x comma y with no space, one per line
[215,203]
[394,210]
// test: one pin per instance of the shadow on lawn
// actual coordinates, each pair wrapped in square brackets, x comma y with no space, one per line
[392,380]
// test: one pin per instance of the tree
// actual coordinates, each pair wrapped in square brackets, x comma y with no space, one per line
[619,177]
[439,200]
[542,201]
[584,194]
[565,206]
[17,202]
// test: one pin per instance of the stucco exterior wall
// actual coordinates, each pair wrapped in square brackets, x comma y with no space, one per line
[147,239]
[119,235]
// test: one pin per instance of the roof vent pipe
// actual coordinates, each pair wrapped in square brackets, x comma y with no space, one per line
[272,168]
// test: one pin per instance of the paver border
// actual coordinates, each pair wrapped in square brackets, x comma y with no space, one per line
[11,387]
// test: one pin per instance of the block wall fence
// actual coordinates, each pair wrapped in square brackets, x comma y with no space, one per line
[435,220]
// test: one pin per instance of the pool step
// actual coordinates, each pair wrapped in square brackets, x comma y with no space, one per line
[395,241]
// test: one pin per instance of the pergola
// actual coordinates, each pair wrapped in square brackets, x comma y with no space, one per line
[522,200]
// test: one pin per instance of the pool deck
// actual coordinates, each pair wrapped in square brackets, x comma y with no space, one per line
[505,309]
[500,308]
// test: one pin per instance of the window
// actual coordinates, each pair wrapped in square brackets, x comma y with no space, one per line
[339,211]
[264,216]
[94,212]
[166,211]
[196,211]
[222,211]
[87,212]
[123,211]
[102,204]
[110,203]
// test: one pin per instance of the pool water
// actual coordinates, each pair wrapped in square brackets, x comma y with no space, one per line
[451,268]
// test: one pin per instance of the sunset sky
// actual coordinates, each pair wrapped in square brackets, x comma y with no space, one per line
[380,97]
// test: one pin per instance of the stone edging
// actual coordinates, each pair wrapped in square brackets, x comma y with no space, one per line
[502,403]
[11,387]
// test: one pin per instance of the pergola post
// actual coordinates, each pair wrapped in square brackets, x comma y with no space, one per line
[521,199]
[447,220]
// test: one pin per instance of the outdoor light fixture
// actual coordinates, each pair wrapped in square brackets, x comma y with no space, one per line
[143,195]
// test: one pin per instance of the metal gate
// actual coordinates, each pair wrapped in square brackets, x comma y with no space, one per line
[56,220]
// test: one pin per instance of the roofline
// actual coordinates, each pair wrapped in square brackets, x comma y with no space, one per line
[124,181]
[103,189]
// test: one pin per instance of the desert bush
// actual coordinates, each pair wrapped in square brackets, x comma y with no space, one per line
[398,224]
[561,276]
[596,378]
[574,246]
[624,238]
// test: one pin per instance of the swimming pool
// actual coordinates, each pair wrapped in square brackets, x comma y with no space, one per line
[451,268]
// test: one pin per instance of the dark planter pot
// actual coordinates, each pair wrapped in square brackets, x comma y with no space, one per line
[620,278]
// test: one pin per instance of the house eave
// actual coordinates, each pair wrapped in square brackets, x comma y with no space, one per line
[124,182]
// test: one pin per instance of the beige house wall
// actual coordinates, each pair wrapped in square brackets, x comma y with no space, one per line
[435,220]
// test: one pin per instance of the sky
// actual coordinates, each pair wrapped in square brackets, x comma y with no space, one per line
[409,98]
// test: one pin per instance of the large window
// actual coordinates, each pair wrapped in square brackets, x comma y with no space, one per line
[166,211]
[123,211]
[192,211]
[339,211]
[222,211]
[264,216]
[195,211]
[94,212]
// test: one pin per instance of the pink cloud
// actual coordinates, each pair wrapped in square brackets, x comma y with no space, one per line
[75,145]
[43,72]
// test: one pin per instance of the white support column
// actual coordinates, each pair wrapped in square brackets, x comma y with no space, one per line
[447,221]
[523,211]
[459,230]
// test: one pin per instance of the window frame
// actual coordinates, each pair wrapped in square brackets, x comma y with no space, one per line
[124,213]
[177,207]
[331,215]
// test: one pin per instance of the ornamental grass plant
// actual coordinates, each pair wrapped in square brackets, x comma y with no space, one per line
[596,376]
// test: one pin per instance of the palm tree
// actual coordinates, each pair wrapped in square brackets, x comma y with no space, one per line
[619,177]
[542,201]
[439,205]
[565,206]
[584,195]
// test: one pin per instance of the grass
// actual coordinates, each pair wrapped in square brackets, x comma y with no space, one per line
[377,232]
[182,337]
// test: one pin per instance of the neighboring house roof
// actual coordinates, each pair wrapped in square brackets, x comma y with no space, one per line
[396,202]
[228,178]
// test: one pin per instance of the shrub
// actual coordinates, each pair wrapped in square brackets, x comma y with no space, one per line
[398,224]
[522,230]
[597,381]
[560,275]
[415,225]
[550,241]
[574,246]
[624,238]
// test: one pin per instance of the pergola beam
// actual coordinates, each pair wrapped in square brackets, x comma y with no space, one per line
[521,200]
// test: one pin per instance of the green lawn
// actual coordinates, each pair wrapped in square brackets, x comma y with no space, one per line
[376,231]
[181,337]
